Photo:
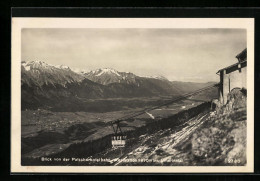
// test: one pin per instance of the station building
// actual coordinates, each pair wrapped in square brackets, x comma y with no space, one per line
[233,76]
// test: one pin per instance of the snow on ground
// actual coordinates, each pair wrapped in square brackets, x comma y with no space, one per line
[149,114]
[163,147]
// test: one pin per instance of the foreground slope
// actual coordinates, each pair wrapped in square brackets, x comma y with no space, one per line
[215,138]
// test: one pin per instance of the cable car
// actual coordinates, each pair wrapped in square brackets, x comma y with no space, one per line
[118,139]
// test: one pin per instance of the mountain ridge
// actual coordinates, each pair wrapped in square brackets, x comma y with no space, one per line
[48,85]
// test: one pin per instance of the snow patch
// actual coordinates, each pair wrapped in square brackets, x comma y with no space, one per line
[61,66]
[109,71]
[159,77]
[27,68]
[149,114]
[64,67]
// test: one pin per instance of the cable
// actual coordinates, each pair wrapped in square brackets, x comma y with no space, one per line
[162,105]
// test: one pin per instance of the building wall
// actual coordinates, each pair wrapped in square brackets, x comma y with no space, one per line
[220,90]
[233,80]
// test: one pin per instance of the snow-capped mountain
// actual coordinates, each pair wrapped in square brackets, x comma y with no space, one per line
[107,76]
[60,87]
[40,73]
[159,77]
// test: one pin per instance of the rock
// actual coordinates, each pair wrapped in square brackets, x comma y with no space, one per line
[205,144]
[223,140]
[237,99]
[238,151]
[216,105]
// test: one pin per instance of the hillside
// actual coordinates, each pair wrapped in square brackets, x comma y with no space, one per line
[198,136]
[215,138]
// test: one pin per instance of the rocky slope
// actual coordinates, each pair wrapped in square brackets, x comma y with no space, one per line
[210,138]
[223,139]
[38,73]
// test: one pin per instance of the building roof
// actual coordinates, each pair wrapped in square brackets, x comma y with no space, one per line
[242,55]
[231,66]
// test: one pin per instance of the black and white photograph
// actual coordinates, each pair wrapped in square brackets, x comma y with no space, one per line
[144,96]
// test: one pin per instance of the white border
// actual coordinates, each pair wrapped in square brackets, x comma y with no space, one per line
[19,23]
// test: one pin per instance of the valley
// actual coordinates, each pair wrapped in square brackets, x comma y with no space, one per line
[64,110]
[72,127]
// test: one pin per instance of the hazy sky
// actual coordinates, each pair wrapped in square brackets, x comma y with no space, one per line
[178,54]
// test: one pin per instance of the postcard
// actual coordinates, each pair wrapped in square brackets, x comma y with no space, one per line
[132,95]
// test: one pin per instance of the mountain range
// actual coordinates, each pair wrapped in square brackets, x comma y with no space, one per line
[50,86]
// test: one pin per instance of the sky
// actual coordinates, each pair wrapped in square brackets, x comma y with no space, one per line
[190,55]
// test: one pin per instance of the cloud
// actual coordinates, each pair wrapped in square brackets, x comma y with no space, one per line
[173,53]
